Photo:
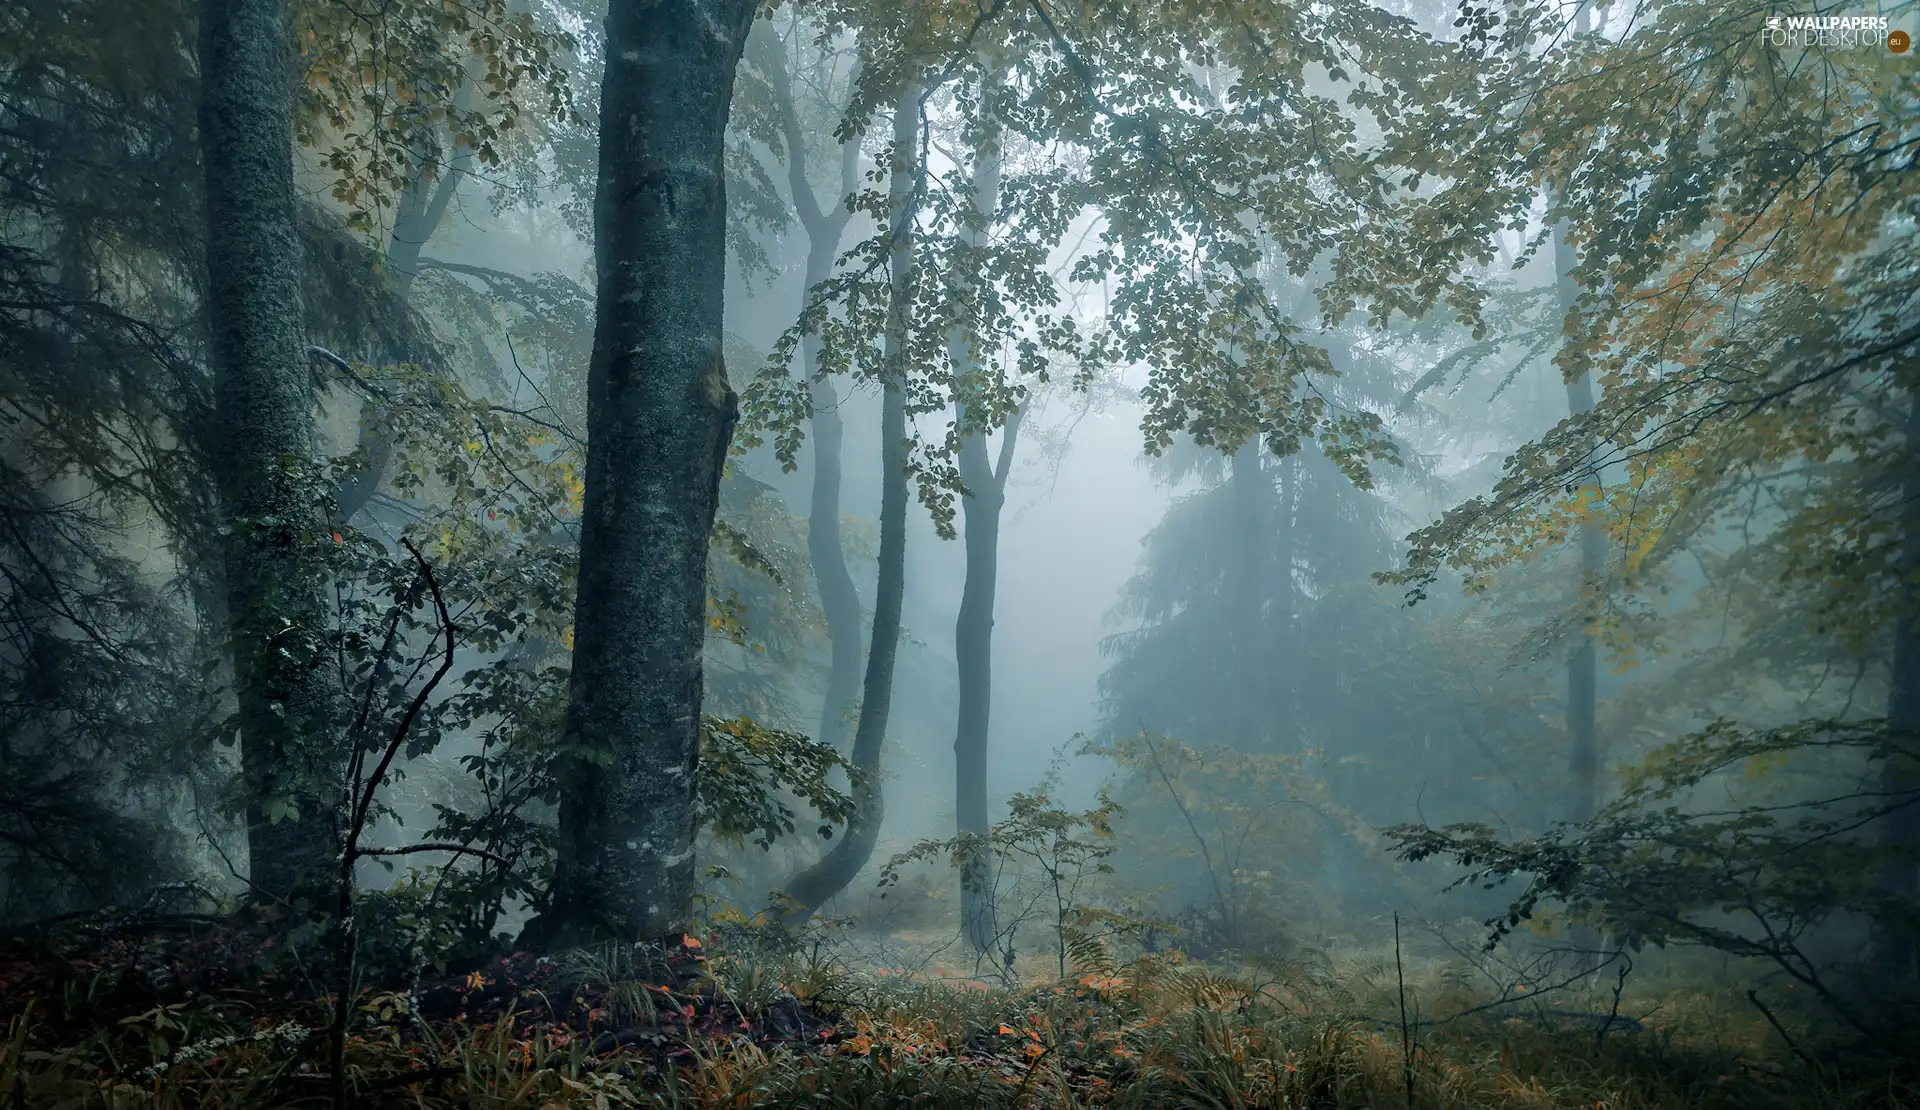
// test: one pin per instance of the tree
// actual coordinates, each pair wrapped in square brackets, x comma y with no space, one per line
[262,384]
[824,227]
[660,420]
[810,889]
[1746,301]
[985,482]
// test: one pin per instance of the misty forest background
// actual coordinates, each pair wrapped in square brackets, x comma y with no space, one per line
[1007,486]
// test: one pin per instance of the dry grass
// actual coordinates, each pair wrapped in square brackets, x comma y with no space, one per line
[1154,1033]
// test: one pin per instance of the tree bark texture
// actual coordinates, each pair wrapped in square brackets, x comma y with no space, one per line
[1900,948]
[263,401]
[660,419]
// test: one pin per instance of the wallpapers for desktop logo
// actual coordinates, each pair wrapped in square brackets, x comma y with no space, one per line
[1804,31]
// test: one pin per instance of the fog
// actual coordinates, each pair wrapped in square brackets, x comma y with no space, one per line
[1138,553]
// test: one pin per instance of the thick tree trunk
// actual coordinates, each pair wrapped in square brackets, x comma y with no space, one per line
[660,418]
[265,440]
[810,889]
[1899,948]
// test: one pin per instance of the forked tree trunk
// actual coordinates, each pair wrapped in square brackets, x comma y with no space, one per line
[263,400]
[810,889]
[423,205]
[660,418]
[839,600]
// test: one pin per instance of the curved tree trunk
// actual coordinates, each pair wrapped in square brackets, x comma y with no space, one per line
[660,418]
[810,889]
[422,206]
[839,600]
[263,401]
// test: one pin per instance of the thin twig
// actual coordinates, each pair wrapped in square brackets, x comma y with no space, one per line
[351,851]
[1613,1011]
[1753,996]
[1406,1030]
[1226,914]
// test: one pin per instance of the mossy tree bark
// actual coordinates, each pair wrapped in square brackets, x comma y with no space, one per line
[263,447]
[660,419]
[1899,948]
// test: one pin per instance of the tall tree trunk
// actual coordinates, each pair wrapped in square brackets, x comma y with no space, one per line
[1250,489]
[839,600]
[973,653]
[1583,665]
[263,401]
[1582,662]
[986,487]
[1284,636]
[1899,947]
[810,889]
[660,418]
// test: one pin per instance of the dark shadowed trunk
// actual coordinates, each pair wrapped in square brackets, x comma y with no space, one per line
[986,486]
[660,417]
[839,600]
[811,888]
[1899,947]
[264,442]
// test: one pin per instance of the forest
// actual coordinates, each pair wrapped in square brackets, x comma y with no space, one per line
[959,553]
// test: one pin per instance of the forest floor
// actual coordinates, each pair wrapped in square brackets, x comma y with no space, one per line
[190,1011]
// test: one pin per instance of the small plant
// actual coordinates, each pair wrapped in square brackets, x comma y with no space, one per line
[1043,863]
